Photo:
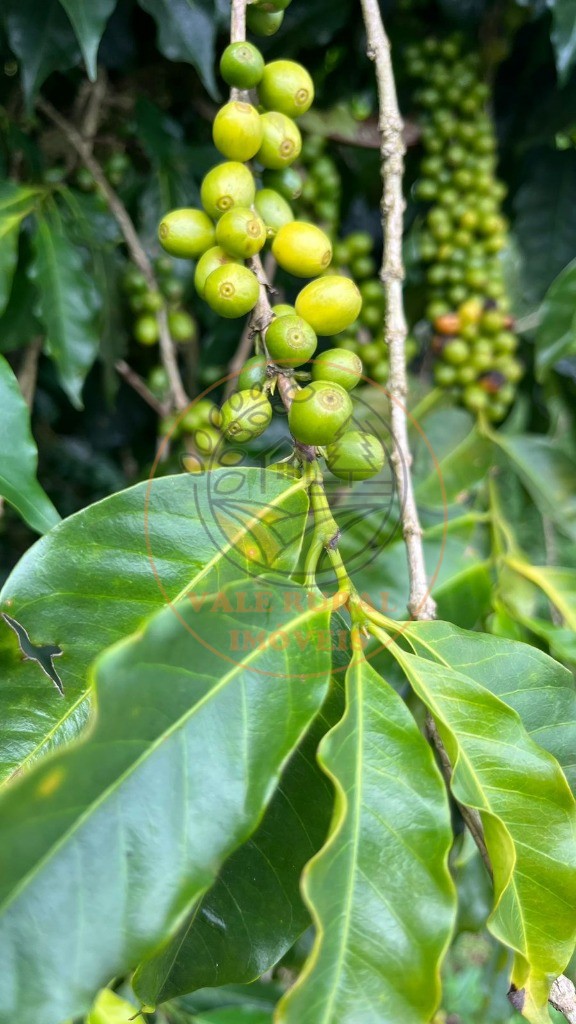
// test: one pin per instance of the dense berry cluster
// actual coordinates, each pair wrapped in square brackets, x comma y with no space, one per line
[245,207]
[145,303]
[322,186]
[463,231]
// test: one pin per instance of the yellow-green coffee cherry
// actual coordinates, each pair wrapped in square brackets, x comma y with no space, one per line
[281,141]
[286,181]
[319,412]
[237,130]
[207,440]
[286,86]
[146,330]
[283,309]
[241,232]
[203,413]
[227,185]
[355,455]
[302,249]
[242,65]
[273,209]
[290,341]
[182,326]
[263,23]
[186,233]
[338,365]
[329,304]
[245,415]
[210,261]
[232,290]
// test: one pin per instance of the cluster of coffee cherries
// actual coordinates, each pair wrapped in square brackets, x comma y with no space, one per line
[236,222]
[321,193]
[463,231]
[145,303]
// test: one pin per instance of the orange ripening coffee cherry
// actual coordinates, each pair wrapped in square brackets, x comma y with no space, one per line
[237,130]
[302,249]
[449,323]
[186,233]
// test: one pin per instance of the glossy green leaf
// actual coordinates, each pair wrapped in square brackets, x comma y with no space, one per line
[186,32]
[41,36]
[89,19]
[462,468]
[18,483]
[89,835]
[548,474]
[237,1015]
[377,953]
[68,305]
[254,912]
[527,811]
[545,221]
[100,573]
[538,688]
[16,202]
[559,585]
[556,334]
[563,36]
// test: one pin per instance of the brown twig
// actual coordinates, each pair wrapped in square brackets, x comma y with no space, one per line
[179,398]
[135,381]
[28,371]
[420,604]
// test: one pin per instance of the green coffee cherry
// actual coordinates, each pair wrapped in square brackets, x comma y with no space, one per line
[134,281]
[283,309]
[302,249]
[207,440]
[287,87]
[245,415]
[210,261]
[242,65]
[319,412]
[281,141]
[182,326]
[253,374]
[329,304]
[355,455]
[241,232]
[273,209]
[146,330]
[186,233]
[232,290]
[227,185]
[237,130]
[203,413]
[152,302]
[263,23]
[290,341]
[286,181]
[339,366]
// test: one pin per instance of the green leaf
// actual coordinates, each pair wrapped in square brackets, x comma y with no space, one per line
[187,32]
[16,202]
[547,473]
[68,305]
[118,836]
[558,584]
[234,1015]
[556,334]
[463,467]
[89,19]
[100,573]
[545,222]
[563,36]
[109,1008]
[540,690]
[18,483]
[379,890]
[527,811]
[41,37]
[253,913]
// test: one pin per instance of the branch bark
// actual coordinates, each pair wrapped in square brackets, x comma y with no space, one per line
[179,398]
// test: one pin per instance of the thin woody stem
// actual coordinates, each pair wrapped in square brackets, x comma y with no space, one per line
[179,398]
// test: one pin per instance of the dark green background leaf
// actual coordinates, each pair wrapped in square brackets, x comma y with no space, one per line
[556,334]
[187,32]
[563,36]
[89,19]
[41,36]
[18,483]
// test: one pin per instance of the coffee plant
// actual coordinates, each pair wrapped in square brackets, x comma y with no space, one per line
[287,515]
